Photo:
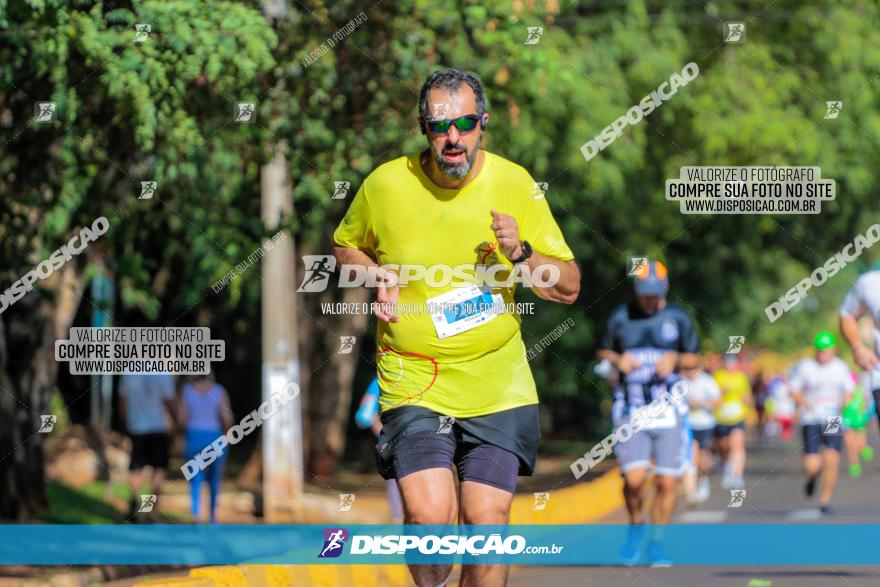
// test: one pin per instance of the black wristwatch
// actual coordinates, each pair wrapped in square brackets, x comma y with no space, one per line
[526,253]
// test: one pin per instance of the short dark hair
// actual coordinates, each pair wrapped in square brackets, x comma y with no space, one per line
[451,80]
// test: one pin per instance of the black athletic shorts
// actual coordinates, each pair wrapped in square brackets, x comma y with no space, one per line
[814,437]
[704,438]
[724,430]
[151,450]
[492,449]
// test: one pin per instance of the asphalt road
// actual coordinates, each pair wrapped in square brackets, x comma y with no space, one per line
[774,486]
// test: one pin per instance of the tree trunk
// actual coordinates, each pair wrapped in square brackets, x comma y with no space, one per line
[327,375]
[27,375]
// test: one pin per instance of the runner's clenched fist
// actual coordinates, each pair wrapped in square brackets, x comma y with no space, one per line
[507,234]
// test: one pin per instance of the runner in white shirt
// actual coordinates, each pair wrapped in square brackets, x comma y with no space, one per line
[862,299]
[821,387]
[704,396]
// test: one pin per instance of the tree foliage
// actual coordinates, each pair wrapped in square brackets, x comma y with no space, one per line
[162,110]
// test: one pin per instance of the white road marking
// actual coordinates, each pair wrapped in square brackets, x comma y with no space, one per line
[807,514]
[698,517]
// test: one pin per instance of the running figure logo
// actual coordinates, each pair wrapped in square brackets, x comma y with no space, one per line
[47,423]
[535,33]
[736,344]
[734,32]
[541,500]
[147,503]
[334,540]
[44,112]
[833,108]
[142,32]
[318,270]
[832,425]
[446,423]
[637,264]
[346,345]
[245,111]
[148,189]
[346,500]
[539,190]
[340,190]
[736,498]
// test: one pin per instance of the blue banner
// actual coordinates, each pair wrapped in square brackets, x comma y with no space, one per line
[691,544]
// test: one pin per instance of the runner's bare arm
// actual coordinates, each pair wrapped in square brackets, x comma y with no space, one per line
[567,288]
[385,296]
[688,361]
[862,355]
[352,256]
[623,362]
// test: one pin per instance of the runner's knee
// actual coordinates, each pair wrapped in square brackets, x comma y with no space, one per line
[634,480]
[494,513]
[665,484]
[429,512]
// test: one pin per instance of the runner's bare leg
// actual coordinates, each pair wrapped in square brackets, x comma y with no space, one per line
[429,498]
[484,504]
[831,464]
[664,501]
[633,486]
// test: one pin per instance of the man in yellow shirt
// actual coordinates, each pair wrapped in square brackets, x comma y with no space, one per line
[730,418]
[455,384]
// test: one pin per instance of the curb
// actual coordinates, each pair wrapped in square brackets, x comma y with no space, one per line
[287,575]
[581,504]
[584,503]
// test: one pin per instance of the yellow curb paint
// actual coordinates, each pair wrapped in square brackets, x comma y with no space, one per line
[177,582]
[584,503]
[580,504]
[299,575]
[271,575]
[223,576]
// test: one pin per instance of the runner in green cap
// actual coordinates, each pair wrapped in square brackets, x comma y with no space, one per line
[821,386]
[824,340]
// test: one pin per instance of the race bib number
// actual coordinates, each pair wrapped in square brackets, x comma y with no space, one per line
[463,309]
[828,409]
[658,418]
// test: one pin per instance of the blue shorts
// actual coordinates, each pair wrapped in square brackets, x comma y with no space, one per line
[664,446]
[814,437]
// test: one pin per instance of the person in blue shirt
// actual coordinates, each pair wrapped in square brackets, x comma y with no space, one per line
[646,341]
[367,416]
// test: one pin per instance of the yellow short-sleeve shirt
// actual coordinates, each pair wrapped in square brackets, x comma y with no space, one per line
[401,217]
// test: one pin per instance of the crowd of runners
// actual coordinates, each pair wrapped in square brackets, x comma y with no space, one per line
[649,345]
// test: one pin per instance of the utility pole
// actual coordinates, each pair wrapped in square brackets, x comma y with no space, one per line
[282,432]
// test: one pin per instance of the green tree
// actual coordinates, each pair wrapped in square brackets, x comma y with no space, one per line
[158,110]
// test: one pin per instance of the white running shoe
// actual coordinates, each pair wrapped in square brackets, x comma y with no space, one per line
[704,490]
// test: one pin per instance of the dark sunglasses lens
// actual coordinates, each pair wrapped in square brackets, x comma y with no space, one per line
[466,124]
[439,126]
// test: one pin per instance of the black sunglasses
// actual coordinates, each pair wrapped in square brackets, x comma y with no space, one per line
[462,123]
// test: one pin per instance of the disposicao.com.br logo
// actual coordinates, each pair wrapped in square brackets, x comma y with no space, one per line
[319,269]
[430,544]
